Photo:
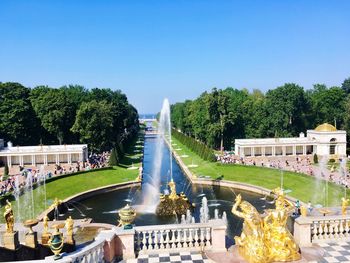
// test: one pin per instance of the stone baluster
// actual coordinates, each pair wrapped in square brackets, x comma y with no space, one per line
[341,229]
[144,248]
[207,237]
[167,245]
[185,238]
[162,242]
[326,230]
[173,239]
[150,240]
[202,237]
[346,228]
[156,240]
[178,238]
[320,230]
[315,231]
[336,229]
[196,243]
[190,244]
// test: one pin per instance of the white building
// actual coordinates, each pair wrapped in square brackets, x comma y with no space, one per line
[325,140]
[43,154]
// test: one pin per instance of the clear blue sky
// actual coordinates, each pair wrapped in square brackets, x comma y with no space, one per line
[175,49]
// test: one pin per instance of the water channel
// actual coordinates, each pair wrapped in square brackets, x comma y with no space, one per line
[103,208]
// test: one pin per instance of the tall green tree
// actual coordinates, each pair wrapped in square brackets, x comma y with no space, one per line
[94,124]
[286,108]
[18,122]
[56,110]
[346,86]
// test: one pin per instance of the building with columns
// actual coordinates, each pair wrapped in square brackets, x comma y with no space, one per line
[324,140]
[43,154]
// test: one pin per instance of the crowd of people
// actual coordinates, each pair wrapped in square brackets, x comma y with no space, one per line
[298,164]
[35,174]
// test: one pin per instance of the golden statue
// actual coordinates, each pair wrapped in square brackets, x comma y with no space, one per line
[303,210]
[46,224]
[266,239]
[344,205]
[9,217]
[173,194]
[69,227]
[279,240]
[251,243]
[56,203]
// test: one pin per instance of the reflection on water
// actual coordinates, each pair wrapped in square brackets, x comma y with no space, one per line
[105,206]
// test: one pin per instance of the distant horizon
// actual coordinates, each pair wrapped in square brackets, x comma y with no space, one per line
[176,49]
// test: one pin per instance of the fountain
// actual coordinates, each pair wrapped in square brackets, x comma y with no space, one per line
[151,189]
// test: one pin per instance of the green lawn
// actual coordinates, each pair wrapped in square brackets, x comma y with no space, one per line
[303,187]
[74,184]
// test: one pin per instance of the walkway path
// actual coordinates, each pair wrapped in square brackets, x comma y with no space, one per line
[176,257]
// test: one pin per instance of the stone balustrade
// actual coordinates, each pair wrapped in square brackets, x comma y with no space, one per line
[317,229]
[197,236]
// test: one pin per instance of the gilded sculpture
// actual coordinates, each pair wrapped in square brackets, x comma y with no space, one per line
[266,238]
[9,217]
[344,205]
[69,223]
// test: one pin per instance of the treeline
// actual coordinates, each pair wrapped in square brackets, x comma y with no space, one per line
[102,118]
[201,149]
[219,117]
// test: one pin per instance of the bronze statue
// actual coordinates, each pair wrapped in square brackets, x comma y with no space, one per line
[266,239]
[9,217]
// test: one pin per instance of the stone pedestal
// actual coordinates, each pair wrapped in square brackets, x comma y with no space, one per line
[31,239]
[45,238]
[10,240]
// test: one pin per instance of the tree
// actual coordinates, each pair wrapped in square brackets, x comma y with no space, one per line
[6,170]
[286,108]
[327,105]
[18,122]
[56,110]
[94,124]
[346,86]
[113,159]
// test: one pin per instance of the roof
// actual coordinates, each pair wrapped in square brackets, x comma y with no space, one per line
[46,149]
[274,141]
[325,127]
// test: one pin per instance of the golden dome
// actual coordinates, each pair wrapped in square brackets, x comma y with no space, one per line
[325,127]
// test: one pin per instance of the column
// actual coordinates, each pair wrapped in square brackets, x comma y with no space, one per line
[57,159]
[284,151]
[294,150]
[263,151]
[273,150]
[252,151]
[45,159]
[69,158]
[33,160]
[20,160]
[304,149]
[241,151]
[9,161]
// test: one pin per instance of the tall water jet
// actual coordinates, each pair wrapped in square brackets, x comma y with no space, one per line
[152,187]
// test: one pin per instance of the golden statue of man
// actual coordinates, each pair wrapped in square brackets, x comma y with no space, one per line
[251,243]
[266,239]
[9,217]
[344,205]
[46,224]
[279,240]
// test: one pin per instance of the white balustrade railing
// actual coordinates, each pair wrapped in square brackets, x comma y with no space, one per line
[311,229]
[175,237]
[330,230]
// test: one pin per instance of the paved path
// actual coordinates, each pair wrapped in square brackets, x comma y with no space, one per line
[176,257]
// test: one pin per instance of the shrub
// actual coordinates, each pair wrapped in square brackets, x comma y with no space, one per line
[113,159]
[332,160]
[315,158]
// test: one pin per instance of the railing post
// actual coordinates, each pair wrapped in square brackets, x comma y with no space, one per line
[218,235]
[125,246]
[302,231]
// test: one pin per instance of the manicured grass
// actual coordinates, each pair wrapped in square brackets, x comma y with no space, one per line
[74,184]
[303,187]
